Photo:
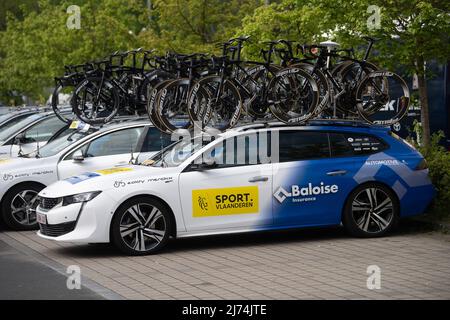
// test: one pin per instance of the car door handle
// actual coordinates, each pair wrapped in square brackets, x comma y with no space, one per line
[258,178]
[337,173]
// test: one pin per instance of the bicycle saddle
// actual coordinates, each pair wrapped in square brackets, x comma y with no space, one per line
[329,44]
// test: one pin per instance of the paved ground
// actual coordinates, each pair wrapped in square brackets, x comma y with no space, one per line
[308,264]
[22,277]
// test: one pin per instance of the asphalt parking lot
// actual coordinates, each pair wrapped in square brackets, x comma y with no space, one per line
[296,264]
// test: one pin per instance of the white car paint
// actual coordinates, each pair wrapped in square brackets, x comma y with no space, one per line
[59,166]
[170,184]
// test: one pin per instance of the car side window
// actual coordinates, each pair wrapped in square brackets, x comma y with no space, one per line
[243,150]
[43,130]
[155,140]
[295,145]
[349,144]
[117,142]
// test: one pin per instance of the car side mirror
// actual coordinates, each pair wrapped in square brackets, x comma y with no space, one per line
[78,156]
[202,166]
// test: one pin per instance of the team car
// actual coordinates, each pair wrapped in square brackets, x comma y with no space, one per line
[257,178]
[13,116]
[82,150]
[30,133]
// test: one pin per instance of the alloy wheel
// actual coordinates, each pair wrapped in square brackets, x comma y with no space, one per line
[142,227]
[372,210]
[23,207]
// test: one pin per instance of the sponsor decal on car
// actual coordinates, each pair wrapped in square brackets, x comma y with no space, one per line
[112,170]
[96,173]
[4,161]
[304,193]
[225,201]
[82,177]
[79,125]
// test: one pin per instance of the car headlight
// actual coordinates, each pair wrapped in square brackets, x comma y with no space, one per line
[80,197]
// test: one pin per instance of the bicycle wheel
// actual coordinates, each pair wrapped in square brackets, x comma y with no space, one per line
[382,98]
[350,75]
[95,101]
[324,88]
[256,83]
[150,81]
[153,96]
[293,96]
[171,105]
[217,105]
[58,103]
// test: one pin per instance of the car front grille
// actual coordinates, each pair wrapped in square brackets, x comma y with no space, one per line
[48,203]
[56,230]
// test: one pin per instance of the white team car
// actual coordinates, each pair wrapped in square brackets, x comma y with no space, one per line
[29,133]
[22,178]
[255,178]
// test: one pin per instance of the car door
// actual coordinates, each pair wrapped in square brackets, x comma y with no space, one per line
[105,151]
[310,183]
[232,193]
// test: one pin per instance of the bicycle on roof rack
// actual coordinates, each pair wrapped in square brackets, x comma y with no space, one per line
[182,90]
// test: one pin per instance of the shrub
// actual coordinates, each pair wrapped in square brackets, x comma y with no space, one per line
[438,160]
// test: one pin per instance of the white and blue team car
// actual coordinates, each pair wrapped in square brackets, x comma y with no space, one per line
[256,178]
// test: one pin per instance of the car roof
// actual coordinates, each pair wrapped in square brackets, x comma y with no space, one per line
[122,122]
[314,125]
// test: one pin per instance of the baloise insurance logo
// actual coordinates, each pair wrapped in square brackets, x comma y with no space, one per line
[306,193]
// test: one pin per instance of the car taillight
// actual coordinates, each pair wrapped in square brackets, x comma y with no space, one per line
[422,165]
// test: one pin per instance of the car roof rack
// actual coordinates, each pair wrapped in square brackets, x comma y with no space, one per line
[315,122]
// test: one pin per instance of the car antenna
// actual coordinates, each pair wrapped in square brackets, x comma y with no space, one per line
[163,162]
[37,145]
[132,155]
[20,152]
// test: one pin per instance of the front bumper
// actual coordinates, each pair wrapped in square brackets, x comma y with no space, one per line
[79,222]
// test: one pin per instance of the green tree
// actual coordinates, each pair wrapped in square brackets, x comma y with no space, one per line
[412,32]
[194,25]
[35,49]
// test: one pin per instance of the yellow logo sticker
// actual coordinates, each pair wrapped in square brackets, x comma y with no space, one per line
[74,125]
[224,201]
[113,170]
[3,161]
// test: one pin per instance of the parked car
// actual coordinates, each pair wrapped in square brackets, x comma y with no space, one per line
[22,178]
[30,133]
[13,116]
[323,174]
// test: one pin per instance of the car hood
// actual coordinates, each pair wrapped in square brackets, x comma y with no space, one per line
[15,166]
[104,179]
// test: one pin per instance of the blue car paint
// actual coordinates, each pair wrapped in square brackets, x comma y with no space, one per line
[394,167]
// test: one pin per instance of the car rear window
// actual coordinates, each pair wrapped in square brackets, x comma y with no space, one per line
[350,144]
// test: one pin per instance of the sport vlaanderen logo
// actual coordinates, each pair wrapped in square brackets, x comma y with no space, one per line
[225,201]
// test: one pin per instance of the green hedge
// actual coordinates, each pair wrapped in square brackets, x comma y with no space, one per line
[438,160]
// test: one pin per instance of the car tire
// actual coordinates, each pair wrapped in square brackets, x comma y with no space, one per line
[371,210]
[19,207]
[141,226]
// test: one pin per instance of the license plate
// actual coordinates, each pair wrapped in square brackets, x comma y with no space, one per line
[41,218]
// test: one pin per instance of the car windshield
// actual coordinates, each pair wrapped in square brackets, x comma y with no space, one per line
[54,147]
[7,133]
[176,153]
